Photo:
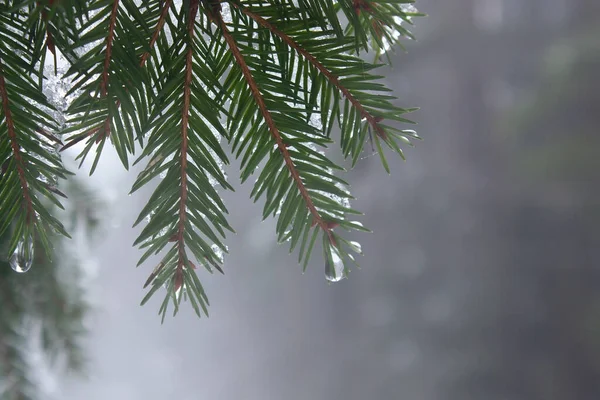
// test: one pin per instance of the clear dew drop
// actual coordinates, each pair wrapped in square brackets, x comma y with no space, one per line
[22,258]
[335,272]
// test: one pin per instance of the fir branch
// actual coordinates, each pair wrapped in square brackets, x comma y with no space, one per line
[371,119]
[15,376]
[161,21]
[104,83]
[105,75]
[45,308]
[60,307]
[185,202]
[49,38]
[267,71]
[159,25]
[28,204]
[78,138]
[184,143]
[29,162]
[317,219]
[15,383]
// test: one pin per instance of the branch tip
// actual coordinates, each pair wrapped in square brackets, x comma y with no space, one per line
[258,98]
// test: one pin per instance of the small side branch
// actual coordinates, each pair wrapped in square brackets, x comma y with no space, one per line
[371,119]
[12,135]
[360,5]
[107,57]
[159,25]
[109,42]
[49,39]
[239,58]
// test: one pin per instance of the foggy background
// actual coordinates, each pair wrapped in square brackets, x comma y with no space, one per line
[481,279]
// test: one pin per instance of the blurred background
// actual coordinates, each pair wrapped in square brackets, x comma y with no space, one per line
[481,279]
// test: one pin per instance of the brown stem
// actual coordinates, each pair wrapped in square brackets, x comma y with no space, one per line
[109,42]
[159,25]
[104,83]
[76,139]
[272,126]
[28,205]
[49,39]
[371,119]
[359,5]
[184,135]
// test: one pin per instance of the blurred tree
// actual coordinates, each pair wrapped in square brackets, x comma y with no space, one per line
[45,308]
[555,157]
[556,200]
[504,300]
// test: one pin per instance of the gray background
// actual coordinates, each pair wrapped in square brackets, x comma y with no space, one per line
[478,282]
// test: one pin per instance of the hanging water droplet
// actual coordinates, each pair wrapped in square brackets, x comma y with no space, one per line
[22,258]
[335,272]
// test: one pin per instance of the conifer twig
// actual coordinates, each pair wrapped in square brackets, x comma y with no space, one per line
[317,219]
[143,59]
[10,125]
[104,83]
[185,113]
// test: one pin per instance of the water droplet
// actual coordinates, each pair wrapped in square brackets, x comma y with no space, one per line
[218,252]
[315,121]
[22,258]
[408,8]
[356,247]
[179,291]
[287,236]
[356,223]
[335,272]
